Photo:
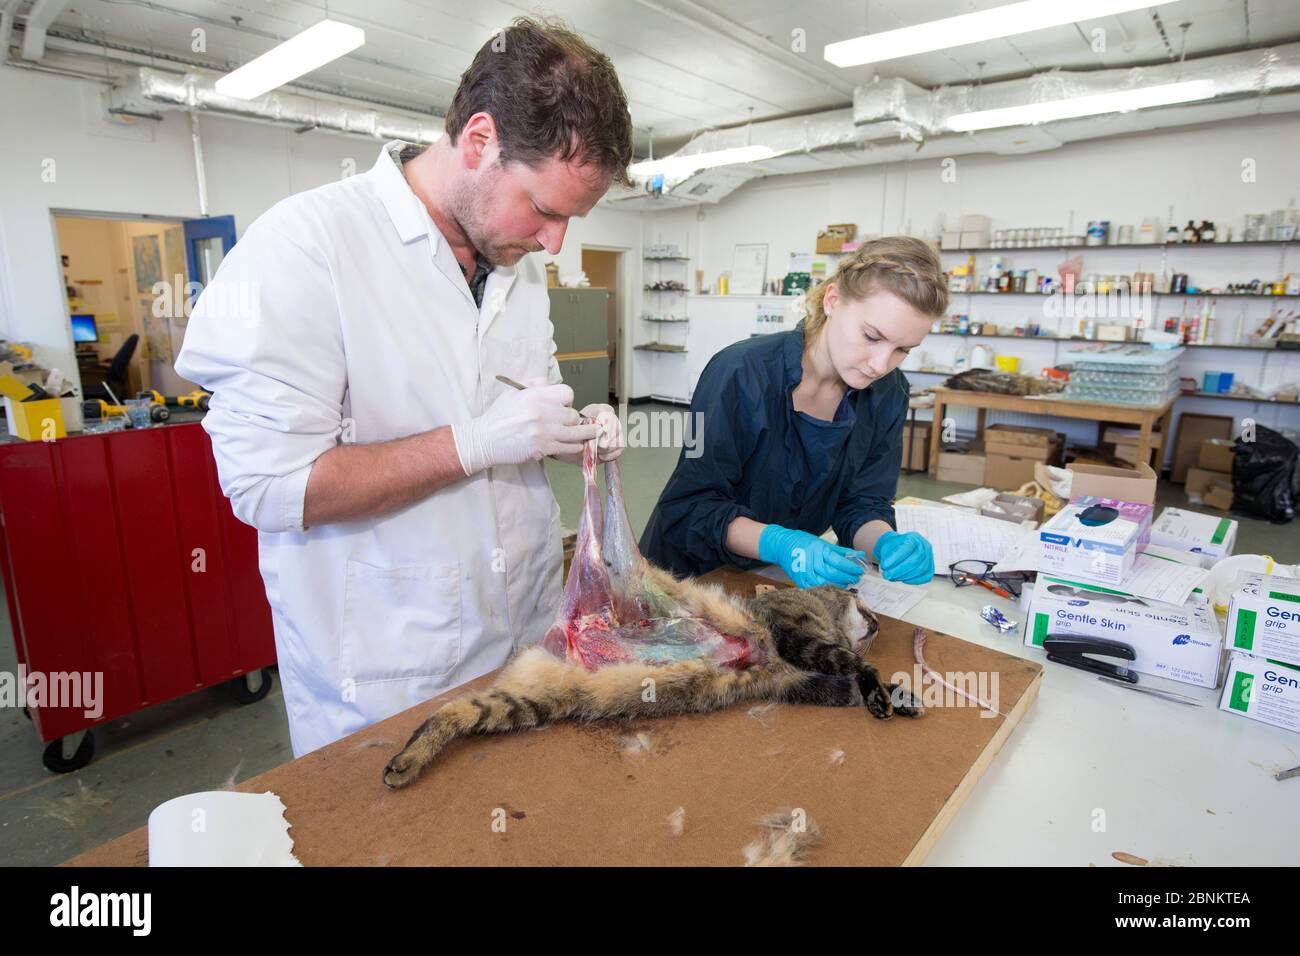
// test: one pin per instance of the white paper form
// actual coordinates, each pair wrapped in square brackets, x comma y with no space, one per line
[1159,578]
[889,599]
[958,536]
[1022,554]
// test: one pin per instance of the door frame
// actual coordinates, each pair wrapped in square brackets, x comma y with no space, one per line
[623,277]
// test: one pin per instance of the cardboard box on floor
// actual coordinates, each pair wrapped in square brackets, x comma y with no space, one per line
[919,444]
[964,465]
[1193,428]
[1219,496]
[1199,481]
[1012,450]
[573,795]
[1004,473]
[1215,454]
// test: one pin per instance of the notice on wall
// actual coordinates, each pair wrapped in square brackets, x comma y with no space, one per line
[749,269]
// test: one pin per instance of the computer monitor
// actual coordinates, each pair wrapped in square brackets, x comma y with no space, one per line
[83,329]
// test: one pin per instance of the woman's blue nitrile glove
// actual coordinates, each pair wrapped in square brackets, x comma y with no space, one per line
[809,560]
[905,557]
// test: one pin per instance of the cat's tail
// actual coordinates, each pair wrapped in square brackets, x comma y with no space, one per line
[537,688]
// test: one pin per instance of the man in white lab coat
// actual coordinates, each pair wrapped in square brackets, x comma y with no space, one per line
[352,338]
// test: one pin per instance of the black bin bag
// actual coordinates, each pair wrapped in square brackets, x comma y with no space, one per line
[1263,476]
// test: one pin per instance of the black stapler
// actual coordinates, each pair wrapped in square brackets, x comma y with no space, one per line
[1070,650]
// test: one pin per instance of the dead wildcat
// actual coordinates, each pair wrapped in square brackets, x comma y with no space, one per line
[633,641]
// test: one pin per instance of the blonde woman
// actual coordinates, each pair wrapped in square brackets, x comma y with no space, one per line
[802,431]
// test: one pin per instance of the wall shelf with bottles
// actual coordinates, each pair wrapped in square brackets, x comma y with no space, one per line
[1078,338]
[1158,295]
[1162,246]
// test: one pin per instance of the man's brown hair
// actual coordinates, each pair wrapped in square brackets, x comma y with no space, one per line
[551,94]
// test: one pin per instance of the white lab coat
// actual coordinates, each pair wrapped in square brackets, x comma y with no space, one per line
[342,315]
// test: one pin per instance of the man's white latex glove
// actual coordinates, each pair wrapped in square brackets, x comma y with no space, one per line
[523,426]
[611,442]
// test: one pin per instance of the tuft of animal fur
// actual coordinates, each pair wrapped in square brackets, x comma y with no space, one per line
[784,840]
[816,642]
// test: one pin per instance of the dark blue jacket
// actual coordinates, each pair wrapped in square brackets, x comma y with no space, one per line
[756,456]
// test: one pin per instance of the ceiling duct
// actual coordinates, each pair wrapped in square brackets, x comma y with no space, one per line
[148,90]
[893,120]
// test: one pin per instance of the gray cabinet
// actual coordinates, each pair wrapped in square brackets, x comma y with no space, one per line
[579,317]
[589,379]
[581,329]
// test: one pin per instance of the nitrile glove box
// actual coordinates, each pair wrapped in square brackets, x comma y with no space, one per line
[1103,553]
[1207,537]
[1264,616]
[1180,643]
[1263,690]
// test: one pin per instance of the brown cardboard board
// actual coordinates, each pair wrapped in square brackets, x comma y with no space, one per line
[572,795]
[1215,454]
[1199,481]
[1193,428]
[1122,484]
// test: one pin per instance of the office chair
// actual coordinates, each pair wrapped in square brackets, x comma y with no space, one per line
[116,376]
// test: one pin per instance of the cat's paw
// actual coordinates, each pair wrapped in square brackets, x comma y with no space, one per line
[905,704]
[402,770]
[875,694]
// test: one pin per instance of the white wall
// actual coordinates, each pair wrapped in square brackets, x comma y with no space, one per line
[60,153]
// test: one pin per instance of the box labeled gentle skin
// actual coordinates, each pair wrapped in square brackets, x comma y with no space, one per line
[1094,538]
[1264,690]
[1264,616]
[1180,643]
[1208,538]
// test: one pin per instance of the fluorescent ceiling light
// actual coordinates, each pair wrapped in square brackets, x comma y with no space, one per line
[675,166]
[1120,102]
[309,50]
[993,24]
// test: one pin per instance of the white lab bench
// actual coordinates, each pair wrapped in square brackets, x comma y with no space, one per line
[1093,769]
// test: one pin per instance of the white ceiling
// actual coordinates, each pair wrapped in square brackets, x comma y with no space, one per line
[686,64]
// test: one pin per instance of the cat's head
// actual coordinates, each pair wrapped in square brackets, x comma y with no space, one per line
[851,610]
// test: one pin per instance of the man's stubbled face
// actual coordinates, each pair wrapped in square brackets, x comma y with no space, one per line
[511,209]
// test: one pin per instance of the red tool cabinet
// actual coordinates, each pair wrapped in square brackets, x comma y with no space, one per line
[120,555]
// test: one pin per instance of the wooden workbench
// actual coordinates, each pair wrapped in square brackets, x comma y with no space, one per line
[574,794]
[1144,416]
